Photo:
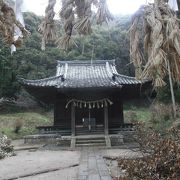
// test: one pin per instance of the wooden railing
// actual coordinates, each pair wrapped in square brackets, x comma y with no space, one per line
[53,129]
[64,131]
[122,127]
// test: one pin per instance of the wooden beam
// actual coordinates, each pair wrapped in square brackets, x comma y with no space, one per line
[106,131]
[72,119]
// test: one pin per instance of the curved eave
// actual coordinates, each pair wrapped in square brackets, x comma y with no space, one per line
[56,81]
[48,94]
[46,82]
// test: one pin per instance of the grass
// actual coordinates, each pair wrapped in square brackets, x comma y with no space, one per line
[30,120]
[159,117]
[136,113]
[10,119]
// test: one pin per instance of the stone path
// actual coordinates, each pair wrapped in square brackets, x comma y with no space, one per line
[54,163]
[92,165]
[28,165]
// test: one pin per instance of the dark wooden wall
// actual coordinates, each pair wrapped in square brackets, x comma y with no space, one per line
[62,115]
[98,114]
[115,114]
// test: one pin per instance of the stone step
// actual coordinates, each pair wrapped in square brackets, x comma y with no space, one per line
[92,130]
[84,141]
[89,132]
[90,141]
[90,138]
[91,144]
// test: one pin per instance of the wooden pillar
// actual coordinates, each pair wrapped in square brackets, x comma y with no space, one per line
[72,119]
[106,120]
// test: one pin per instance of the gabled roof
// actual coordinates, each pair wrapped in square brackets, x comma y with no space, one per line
[84,74]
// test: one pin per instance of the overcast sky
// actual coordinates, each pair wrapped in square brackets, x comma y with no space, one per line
[115,6]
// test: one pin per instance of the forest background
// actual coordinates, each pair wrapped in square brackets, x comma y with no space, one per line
[107,42]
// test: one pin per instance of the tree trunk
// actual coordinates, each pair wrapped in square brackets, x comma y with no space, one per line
[82,49]
[172,91]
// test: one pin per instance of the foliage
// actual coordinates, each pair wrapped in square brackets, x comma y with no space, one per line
[160,156]
[130,116]
[164,94]
[161,116]
[160,112]
[158,115]
[137,110]
[6,149]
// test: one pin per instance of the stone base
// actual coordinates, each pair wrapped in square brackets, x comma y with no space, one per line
[41,138]
[128,136]
[122,137]
[108,141]
[116,139]
[69,141]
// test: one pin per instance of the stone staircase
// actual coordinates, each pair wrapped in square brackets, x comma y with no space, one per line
[99,129]
[90,140]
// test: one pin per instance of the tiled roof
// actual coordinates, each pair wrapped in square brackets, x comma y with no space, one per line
[84,74]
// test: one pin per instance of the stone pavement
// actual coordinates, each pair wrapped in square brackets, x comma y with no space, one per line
[56,163]
[92,165]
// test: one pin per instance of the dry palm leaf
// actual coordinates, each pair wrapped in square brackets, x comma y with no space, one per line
[65,42]
[135,52]
[103,14]
[75,15]
[161,42]
[47,27]
[67,16]
[7,24]
[83,10]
